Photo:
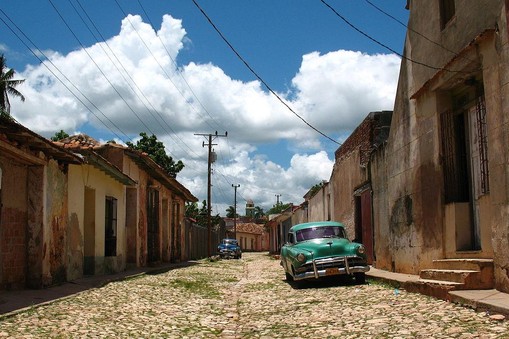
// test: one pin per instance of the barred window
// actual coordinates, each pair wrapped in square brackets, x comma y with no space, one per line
[110,227]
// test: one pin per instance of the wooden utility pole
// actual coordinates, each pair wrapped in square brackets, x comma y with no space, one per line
[210,137]
[235,211]
[277,201]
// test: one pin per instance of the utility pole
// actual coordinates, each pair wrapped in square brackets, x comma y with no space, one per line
[235,211]
[277,196]
[211,137]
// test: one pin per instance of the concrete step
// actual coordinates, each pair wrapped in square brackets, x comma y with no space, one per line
[433,288]
[458,276]
[471,273]
[463,264]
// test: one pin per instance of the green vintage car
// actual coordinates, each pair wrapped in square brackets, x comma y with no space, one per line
[319,249]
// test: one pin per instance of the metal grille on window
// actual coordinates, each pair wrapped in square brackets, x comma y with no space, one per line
[454,157]
[483,144]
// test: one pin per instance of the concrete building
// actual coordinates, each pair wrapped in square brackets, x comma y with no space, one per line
[441,185]
[33,208]
[350,182]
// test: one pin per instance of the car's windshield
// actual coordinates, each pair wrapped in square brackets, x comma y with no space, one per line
[229,242]
[320,232]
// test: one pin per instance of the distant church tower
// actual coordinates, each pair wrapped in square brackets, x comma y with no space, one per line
[250,208]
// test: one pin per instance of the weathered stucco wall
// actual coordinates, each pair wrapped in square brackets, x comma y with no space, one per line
[347,176]
[101,185]
[319,205]
[54,223]
[497,100]
[418,225]
[382,234]
[13,221]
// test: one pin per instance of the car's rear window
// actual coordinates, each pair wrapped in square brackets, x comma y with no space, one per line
[320,232]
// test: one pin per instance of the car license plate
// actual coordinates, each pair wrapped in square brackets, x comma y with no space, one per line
[331,271]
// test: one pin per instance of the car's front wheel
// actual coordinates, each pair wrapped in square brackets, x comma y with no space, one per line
[288,276]
[360,278]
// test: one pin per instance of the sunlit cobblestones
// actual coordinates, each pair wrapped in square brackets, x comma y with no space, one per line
[247,298]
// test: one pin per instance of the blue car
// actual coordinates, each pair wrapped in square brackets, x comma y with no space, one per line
[229,248]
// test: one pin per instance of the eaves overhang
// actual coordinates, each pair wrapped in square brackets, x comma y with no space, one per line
[158,173]
[105,166]
[24,145]
[448,67]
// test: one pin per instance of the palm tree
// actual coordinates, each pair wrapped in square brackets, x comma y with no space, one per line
[7,86]
[258,212]
[230,212]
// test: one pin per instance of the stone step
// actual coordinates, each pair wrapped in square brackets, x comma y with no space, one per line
[458,276]
[433,288]
[463,264]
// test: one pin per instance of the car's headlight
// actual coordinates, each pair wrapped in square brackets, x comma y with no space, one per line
[301,257]
[360,249]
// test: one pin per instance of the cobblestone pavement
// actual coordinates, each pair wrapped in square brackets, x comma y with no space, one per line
[247,298]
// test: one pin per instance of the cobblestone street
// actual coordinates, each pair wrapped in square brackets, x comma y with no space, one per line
[247,298]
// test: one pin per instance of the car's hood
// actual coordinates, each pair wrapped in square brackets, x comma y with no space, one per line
[326,247]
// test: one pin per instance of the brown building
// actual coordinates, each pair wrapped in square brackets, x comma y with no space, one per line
[33,208]
[441,187]
[155,205]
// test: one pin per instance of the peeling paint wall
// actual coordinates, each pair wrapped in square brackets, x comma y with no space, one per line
[346,177]
[88,189]
[419,230]
[13,221]
[55,223]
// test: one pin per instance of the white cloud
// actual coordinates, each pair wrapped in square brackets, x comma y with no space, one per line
[333,92]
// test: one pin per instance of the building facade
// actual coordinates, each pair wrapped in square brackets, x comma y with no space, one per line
[442,179]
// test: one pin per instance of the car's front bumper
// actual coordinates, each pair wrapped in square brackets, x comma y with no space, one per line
[331,266]
[227,253]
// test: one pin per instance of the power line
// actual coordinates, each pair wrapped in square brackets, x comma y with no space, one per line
[132,80]
[259,77]
[382,44]
[99,68]
[63,75]
[412,30]
[176,68]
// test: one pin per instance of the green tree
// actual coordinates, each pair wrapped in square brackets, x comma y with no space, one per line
[7,87]
[200,214]
[155,149]
[191,210]
[60,135]
[258,212]
[230,212]
[278,208]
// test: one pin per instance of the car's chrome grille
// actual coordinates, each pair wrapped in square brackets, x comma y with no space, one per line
[334,262]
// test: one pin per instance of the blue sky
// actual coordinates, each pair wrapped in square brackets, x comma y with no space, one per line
[164,70]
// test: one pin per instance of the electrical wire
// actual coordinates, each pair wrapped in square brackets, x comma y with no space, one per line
[412,30]
[40,52]
[258,76]
[99,68]
[139,90]
[382,44]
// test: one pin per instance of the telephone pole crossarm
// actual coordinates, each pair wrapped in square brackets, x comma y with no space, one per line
[210,138]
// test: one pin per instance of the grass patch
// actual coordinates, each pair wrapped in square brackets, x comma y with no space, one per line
[196,286]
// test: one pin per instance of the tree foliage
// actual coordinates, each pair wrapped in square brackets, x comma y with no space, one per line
[7,87]
[278,208]
[230,212]
[155,150]
[200,214]
[60,135]
[258,212]
[315,189]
